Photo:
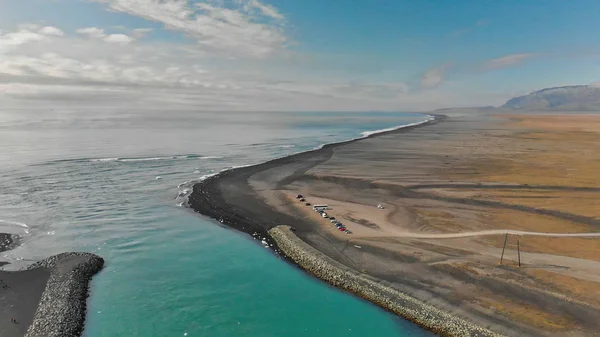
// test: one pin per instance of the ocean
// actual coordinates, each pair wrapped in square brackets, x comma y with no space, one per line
[114,183]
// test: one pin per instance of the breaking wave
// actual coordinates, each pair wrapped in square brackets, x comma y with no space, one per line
[374,132]
[143,159]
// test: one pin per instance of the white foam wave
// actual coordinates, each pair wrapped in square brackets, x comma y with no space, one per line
[370,133]
[103,160]
[183,183]
[14,223]
[145,159]
[206,176]
[364,135]
[191,182]
[134,160]
[286,146]
[233,167]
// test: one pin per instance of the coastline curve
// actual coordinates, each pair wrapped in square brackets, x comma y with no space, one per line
[228,198]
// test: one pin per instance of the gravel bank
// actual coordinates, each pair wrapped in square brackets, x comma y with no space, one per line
[377,292]
[62,308]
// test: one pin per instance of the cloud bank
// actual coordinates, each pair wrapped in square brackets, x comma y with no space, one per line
[235,55]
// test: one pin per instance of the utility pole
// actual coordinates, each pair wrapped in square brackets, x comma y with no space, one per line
[503,247]
[519,252]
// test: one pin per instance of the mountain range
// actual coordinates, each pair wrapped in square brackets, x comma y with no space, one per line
[575,98]
[568,98]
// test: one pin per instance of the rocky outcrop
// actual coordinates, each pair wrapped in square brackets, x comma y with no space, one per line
[62,308]
[8,241]
[374,291]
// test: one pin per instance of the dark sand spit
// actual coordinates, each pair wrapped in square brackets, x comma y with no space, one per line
[49,297]
[425,175]
[231,198]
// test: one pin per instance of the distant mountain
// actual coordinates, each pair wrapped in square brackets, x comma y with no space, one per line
[570,98]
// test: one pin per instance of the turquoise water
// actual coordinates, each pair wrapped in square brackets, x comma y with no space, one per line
[88,181]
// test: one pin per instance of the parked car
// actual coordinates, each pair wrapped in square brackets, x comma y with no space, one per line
[342,229]
[332,218]
[347,231]
[302,199]
[307,204]
[324,215]
[299,196]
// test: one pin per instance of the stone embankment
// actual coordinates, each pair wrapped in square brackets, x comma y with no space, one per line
[362,285]
[62,308]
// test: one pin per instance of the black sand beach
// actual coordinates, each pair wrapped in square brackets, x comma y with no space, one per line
[231,198]
[385,166]
[20,294]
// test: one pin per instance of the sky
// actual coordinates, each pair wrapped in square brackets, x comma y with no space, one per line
[291,55]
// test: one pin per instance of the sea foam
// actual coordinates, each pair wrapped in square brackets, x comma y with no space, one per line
[374,132]
[14,223]
[158,158]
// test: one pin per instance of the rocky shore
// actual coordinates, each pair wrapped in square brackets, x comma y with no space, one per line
[62,308]
[7,241]
[374,291]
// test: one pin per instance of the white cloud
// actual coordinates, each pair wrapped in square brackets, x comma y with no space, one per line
[82,69]
[266,10]
[11,40]
[92,32]
[250,28]
[98,33]
[506,61]
[51,31]
[118,38]
[434,77]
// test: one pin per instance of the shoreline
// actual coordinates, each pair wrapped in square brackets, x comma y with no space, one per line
[201,201]
[443,185]
[262,222]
